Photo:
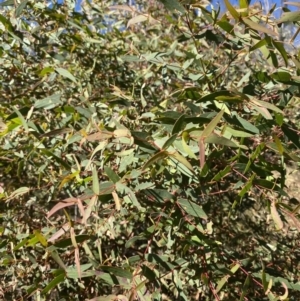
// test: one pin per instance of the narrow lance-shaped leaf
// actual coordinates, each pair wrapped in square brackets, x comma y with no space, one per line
[111,174]
[247,186]
[179,124]
[157,157]
[192,208]
[282,51]
[258,27]
[232,10]
[170,141]
[185,146]
[41,238]
[18,192]
[60,278]
[181,159]
[20,8]
[245,287]
[137,19]
[22,119]
[212,125]
[289,17]
[65,73]
[96,187]
[275,216]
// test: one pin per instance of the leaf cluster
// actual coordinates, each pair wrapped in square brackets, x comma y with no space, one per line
[148,163]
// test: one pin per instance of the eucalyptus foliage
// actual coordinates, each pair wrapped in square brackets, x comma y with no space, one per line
[148,163]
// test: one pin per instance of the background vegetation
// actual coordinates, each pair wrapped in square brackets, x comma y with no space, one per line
[148,164]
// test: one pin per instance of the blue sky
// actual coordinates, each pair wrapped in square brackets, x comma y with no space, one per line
[270,4]
[221,2]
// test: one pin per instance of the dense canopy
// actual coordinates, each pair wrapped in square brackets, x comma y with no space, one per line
[158,162]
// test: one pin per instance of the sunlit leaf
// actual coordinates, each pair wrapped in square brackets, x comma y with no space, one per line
[258,27]
[289,17]
[65,73]
[232,10]
[212,125]
[276,217]
[181,159]
[137,19]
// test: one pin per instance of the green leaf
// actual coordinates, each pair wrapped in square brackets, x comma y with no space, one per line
[130,242]
[22,119]
[141,139]
[49,102]
[226,26]
[169,142]
[157,157]
[287,17]
[186,148]
[8,3]
[55,256]
[247,186]
[96,188]
[106,188]
[6,23]
[65,73]
[258,27]
[64,243]
[212,125]
[72,272]
[57,280]
[111,174]
[179,124]
[181,159]
[221,283]
[279,145]
[269,185]
[223,95]
[46,70]
[20,8]
[236,133]
[161,260]
[247,125]
[267,105]
[223,173]
[40,237]
[173,5]
[279,46]
[258,45]
[255,154]
[192,208]
[232,10]
[282,76]
[244,3]
[245,287]
[117,271]
[215,139]
[278,280]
